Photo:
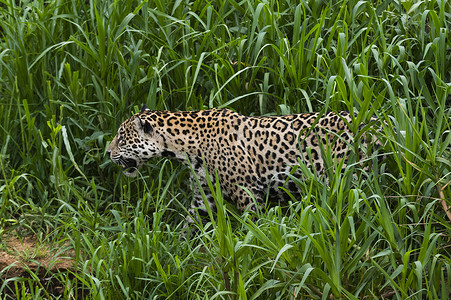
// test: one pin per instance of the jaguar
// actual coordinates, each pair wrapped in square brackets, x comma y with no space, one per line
[250,156]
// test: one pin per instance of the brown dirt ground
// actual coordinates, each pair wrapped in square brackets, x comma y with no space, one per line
[29,252]
[20,257]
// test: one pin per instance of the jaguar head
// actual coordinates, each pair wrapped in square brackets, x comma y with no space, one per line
[134,144]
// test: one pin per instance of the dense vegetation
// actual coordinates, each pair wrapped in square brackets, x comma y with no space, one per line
[72,71]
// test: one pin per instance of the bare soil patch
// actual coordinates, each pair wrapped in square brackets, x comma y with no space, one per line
[26,263]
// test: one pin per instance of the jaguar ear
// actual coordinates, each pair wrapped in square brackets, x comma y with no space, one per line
[143,125]
[144,108]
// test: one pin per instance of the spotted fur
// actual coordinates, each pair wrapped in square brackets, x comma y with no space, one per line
[248,154]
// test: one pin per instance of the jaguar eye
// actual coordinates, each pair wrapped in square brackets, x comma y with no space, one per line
[120,142]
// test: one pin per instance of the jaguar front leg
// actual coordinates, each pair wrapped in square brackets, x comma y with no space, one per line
[198,212]
[250,198]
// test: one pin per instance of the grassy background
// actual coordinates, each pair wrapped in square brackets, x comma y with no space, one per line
[72,71]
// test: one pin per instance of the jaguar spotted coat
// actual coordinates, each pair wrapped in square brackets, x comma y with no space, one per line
[250,155]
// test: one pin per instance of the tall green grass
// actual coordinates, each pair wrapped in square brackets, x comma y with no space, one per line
[72,71]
